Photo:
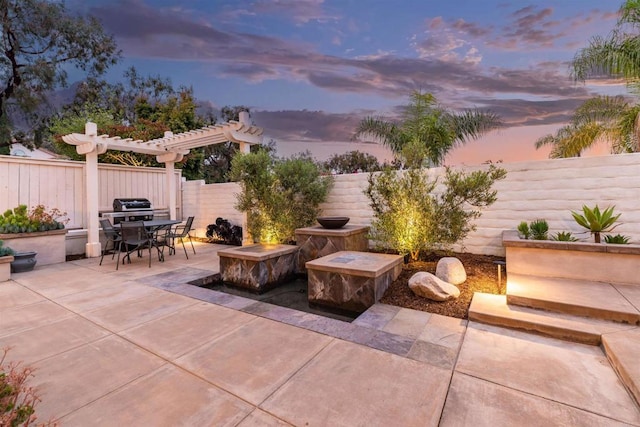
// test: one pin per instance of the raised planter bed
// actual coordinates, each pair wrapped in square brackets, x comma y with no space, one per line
[598,262]
[50,245]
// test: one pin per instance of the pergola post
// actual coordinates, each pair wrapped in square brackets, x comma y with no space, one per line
[169,159]
[171,188]
[91,149]
[246,237]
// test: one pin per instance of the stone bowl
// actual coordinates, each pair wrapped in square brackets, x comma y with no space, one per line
[333,221]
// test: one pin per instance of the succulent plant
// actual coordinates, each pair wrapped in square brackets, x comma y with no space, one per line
[539,229]
[618,239]
[564,236]
[596,221]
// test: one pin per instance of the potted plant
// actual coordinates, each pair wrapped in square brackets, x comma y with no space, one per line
[6,257]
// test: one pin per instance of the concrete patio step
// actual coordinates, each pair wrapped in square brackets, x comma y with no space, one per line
[622,349]
[595,300]
[494,310]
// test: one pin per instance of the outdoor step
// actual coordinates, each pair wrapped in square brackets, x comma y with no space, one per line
[622,349]
[494,310]
[596,300]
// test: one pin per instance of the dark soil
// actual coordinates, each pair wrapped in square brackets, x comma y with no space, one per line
[482,276]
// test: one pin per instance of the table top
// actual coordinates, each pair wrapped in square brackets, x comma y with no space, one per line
[154,223]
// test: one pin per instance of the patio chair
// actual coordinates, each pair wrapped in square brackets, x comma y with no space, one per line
[181,232]
[113,238]
[136,238]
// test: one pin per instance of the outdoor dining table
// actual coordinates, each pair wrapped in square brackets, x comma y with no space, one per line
[152,227]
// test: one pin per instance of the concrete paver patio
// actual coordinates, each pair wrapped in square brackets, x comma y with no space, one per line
[140,346]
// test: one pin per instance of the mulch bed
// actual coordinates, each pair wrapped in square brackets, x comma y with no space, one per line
[482,276]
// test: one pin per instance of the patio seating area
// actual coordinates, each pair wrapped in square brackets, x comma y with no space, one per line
[199,357]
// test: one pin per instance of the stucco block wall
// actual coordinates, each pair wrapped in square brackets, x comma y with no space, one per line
[547,189]
[209,201]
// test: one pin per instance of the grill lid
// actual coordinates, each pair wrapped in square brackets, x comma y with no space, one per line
[122,204]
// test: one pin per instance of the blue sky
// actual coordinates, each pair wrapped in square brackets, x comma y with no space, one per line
[311,69]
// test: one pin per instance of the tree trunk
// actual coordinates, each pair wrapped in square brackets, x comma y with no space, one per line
[596,236]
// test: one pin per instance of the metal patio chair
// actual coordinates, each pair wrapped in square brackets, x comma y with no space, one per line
[113,238]
[181,232]
[136,238]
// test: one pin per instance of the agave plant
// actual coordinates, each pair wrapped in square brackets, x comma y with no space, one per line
[618,239]
[539,229]
[565,236]
[596,221]
[523,229]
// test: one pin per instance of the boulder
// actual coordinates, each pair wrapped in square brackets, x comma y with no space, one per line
[429,286]
[451,270]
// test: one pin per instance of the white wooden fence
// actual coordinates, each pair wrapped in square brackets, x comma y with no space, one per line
[60,184]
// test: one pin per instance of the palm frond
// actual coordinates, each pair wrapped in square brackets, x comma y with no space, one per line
[472,124]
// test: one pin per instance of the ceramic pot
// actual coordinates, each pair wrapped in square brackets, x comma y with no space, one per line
[23,261]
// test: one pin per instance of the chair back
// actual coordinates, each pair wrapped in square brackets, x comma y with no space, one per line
[187,226]
[108,229]
[133,232]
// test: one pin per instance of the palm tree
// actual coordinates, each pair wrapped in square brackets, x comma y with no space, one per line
[428,131]
[603,118]
[615,56]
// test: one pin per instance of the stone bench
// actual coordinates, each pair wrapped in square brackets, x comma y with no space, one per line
[351,281]
[258,267]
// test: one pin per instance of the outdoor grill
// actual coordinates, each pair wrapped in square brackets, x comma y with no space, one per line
[137,209]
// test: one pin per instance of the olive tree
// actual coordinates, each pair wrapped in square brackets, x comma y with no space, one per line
[278,195]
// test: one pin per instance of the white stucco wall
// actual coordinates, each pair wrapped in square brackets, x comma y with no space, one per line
[547,189]
[209,201]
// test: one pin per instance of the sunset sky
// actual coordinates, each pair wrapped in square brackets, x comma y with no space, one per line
[311,69]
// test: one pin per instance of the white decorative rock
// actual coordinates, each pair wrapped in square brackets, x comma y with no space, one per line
[451,270]
[429,286]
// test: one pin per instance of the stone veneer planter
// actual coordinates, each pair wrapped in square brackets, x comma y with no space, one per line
[50,245]
[351,281]
[5,268]
[258,267]
[598,262]
[316,242]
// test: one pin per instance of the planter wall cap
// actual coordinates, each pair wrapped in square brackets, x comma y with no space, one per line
[6,259]
[511,238]
[9,236]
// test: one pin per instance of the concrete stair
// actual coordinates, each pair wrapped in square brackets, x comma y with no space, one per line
[586,312]
[622,349]
[494,310]
[595,300]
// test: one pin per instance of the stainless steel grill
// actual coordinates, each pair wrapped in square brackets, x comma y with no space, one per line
[137,209]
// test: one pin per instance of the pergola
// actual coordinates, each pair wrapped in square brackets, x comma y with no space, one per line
[168,150]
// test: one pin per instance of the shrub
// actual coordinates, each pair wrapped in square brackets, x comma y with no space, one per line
[17,399]
[596,221]
[618,239]
[409,217]
[564,236]
[278,195]
[5,250]
[539,229]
